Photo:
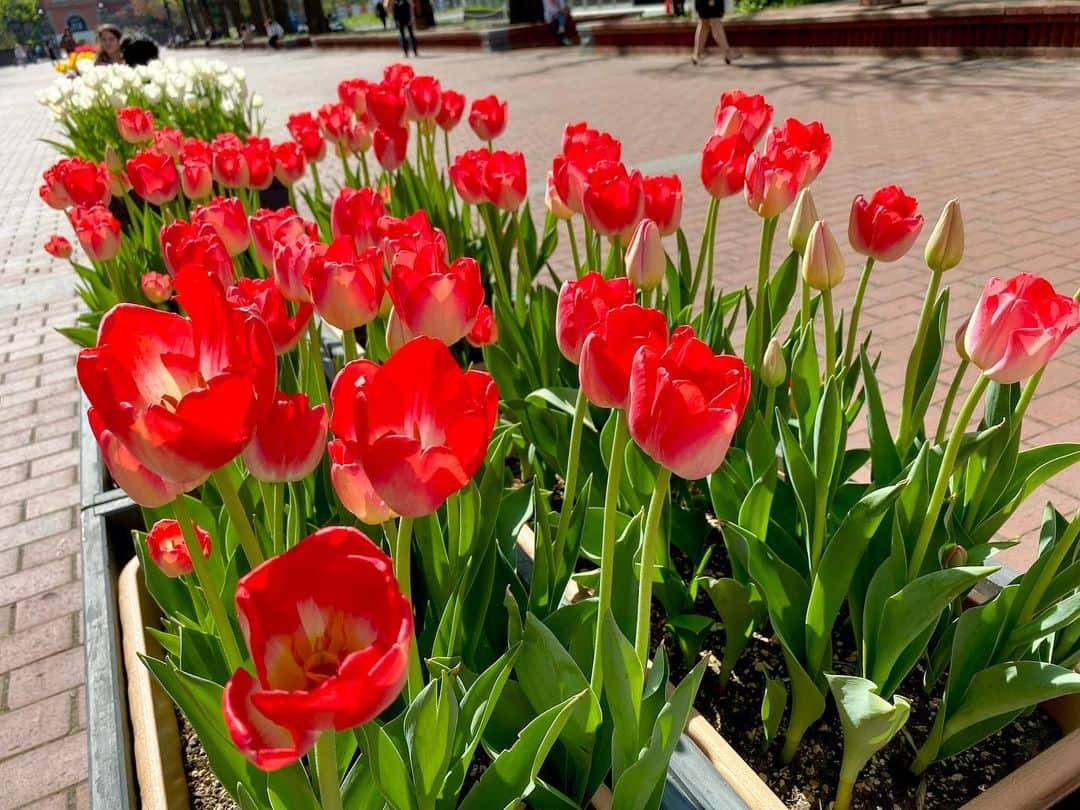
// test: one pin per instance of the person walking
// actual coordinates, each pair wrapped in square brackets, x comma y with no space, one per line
[380,12]
[710,20]
[403,18]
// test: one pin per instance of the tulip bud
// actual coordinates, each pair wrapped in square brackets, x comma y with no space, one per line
[946,246]
[953,556]
[822,264]
[112,160]
[168,549]
[646,261]
[553,201]
[802,220]
[157,287]
[773,367]
[959,340]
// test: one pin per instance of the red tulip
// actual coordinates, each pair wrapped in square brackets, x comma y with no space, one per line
[262,296]
[608,352]
[334,120]
[390,145]
[355,213]
[165,543]
[346,286]
[423,98]
[418,425]
[182,394]
[304,128]
[169,141]
[614,200]
[260,162]
[357,139]
[196,179]
[432,298]
[663,201]
[811,141]
[553,201]
[685,404]
[409,235]
[723,164]
[385,106]
[289,162]
[351,93]
[145,487]
[58,247]
[646,262]
[230,167]
[157,287]
[262,226]
[74,181]
[744,113]
[183,243]
[294,250]
[505,185]
[289,440]
[98,231]
[329,634]
[583,303]
[1017,326]
[227,217]
[487,117]
[134,124]
[353,487]
[583,148]
[196,149]
[772,182]
[485,330]
[886,226]
[450,109]
[398,74]
[467,175]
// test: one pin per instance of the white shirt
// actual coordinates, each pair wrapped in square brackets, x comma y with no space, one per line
[274,29]
[552,8]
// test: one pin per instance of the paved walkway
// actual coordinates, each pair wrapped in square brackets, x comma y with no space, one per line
[993,133]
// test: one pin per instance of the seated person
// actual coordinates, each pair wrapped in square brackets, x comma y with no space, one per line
[557,12]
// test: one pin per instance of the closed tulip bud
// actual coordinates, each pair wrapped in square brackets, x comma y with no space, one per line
[958,339]
[165,542]
[946,246]
[553,201]
[157,287]
[58,247]
[822,263]
[485,331]
[802,220]
[953,556]
[773,367]
[112,160]
[646,261]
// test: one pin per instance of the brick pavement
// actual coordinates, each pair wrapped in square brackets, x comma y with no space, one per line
[989,132]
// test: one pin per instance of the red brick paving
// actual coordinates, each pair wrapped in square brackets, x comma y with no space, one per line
[991,132]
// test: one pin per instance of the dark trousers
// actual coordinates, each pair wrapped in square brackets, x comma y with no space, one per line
[402,28]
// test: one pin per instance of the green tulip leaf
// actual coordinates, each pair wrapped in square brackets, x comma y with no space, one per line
[1049,621]
[884,459]
[623,685]
[388,768]
[868,720]
[741,609]
[773,704]
[430,727]
[512,773]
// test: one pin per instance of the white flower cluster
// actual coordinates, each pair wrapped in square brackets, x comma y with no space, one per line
[190,83]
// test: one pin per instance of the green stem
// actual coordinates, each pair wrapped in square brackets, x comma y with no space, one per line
[843,794]
[501,283]
[1025,396]
[648,554]
[710,226]
[930,749]
[907,427]
[830,333]
[572,237]
[607,547]
[349,341]
[1057,556]
[950,398]
[292,196]
[315,180]
[804,303]
[591,259]
[446,146]
[326,765]
[711,253]
[770,407]
[853,326]
[768,230]
[616,258]
[937,497]
[277,505]
[319,393]
[364,169]
[233,656]
[403,574]
[572,463]
[238,517]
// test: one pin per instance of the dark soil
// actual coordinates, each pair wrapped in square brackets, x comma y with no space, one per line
[207,793]
[809,781]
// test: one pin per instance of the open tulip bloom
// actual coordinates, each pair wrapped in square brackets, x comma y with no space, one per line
[483,406]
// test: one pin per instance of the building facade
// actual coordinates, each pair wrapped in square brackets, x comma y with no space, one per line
[81,16]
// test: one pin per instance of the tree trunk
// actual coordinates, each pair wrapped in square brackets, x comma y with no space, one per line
[280,12]
[189,19]
[316,17]
[234,15]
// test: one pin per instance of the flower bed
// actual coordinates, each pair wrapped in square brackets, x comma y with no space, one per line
[345,622]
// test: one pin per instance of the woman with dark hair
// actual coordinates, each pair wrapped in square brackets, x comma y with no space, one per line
[402,11]
[108,41]
[710,19]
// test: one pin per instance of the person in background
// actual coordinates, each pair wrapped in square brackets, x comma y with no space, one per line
[557,14]
[67,41]
[108,42]
[274,33]
[403,18]
[138,50]
[20,54]
[710,19]
[380,12]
